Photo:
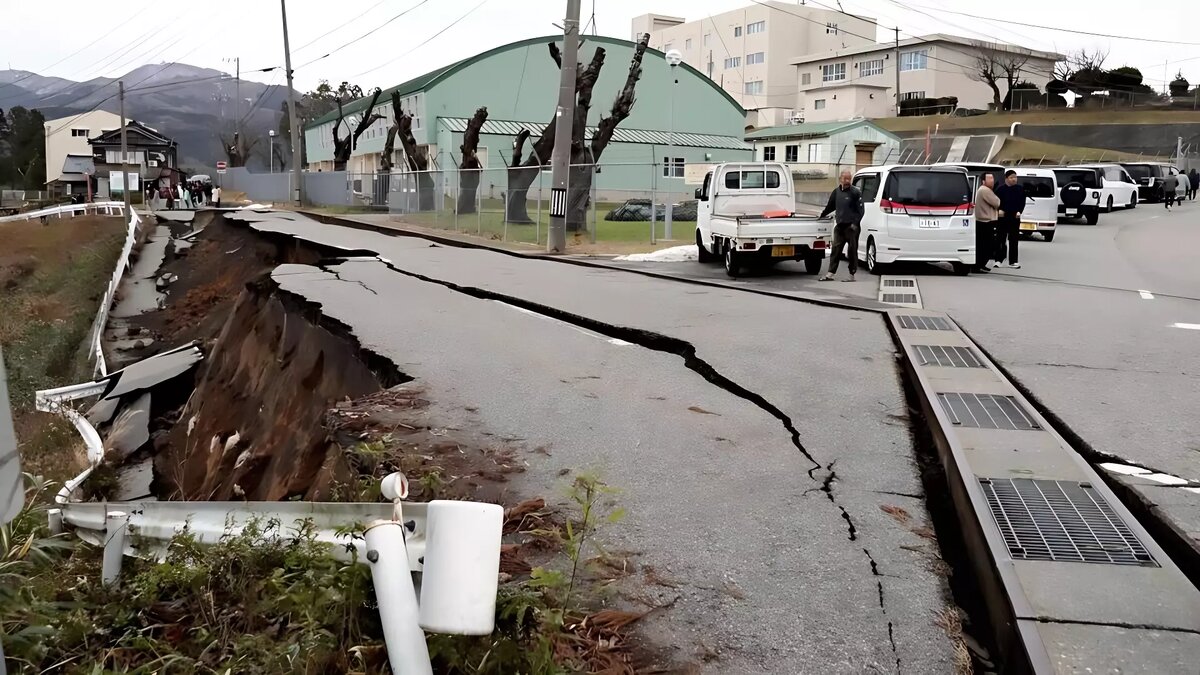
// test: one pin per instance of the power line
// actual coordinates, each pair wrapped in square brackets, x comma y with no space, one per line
[1067,30]
[340,26]
[427,40]
[360,37]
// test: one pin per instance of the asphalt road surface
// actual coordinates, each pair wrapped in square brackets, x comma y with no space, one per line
[1099,325]
[720,415]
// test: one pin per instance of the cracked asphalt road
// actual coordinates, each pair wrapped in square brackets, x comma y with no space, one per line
[784,564]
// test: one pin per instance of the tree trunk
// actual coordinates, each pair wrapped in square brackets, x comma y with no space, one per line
[470,170]
[417,158]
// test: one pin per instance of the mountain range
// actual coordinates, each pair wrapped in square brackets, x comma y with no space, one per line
[194,106]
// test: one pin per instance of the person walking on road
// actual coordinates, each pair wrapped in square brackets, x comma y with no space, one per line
[846,203]
[1194,179]
[987,205]
[1008,227]
[216,198]
[1170,185]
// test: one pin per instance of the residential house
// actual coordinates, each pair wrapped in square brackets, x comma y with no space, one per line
[822,149]
[860,81]
[152,157]
[67,146]
[749,51]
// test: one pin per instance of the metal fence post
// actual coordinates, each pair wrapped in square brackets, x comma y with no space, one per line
[595,193]
[115,526]
[653,199]
[479,205]
[537,227]
[387,556]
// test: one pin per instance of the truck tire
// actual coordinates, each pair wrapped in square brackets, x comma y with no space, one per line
[1048,236]
[702,253]
[812,262]
[1092,216]
[733,264]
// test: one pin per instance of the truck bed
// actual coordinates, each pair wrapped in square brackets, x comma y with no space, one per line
[756,227]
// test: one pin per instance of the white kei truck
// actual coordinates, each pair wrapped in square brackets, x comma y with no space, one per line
[746,216]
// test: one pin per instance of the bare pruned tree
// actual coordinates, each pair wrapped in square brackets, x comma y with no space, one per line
[470,169]
[237,149]
[416,157]
[993,64]
[523,171]
[343,147]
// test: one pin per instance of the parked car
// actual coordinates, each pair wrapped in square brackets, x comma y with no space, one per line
[1149,177]
[1041,201]
[1079,192]
[1117,189]
[746,215]
[916,214]
[636,210]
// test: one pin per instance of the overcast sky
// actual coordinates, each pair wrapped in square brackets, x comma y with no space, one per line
[205,33]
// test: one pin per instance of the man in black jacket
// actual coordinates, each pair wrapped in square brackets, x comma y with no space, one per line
[1008,227]
[846,203]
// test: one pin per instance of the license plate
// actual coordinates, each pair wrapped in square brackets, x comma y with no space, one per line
[1029,226]
[929,223]
[1071,212]
[783,251]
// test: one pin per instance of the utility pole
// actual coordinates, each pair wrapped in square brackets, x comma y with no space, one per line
[560,161]
[237,107]
[897,59]
[124,152]
[297,153]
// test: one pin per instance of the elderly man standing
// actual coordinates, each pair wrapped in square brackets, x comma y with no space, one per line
[987,206]
[846,203]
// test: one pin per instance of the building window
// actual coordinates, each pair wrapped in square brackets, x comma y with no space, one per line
[673,167]
[831,28]
[756,57]
[687,44]
[814,153]
[872,67]
[734,62]
[791,154]
[910,95]
[755,87]
[706,37]
[819,104]
[805,78]
[737,31]
[918,60]
[80,133]
[833,72]
[756,27]
[769,153]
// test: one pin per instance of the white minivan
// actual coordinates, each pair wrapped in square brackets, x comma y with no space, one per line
[1041,201]
[1119,191]
[916,214]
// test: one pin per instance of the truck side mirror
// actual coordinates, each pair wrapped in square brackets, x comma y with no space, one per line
[700,195]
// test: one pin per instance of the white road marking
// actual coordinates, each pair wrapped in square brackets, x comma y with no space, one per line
[1165,479]
[1189,326]
[1146,295]
[1125,469]
[543,317]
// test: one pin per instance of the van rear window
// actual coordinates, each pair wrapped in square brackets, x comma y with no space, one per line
[1085,177]
[751,180]
[1139,171]
[928,188]
[1037,186]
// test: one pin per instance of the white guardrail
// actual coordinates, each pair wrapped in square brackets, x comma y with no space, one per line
[105,208]
[96,341]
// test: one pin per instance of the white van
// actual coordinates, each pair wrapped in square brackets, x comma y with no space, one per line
[1041,201]
[1119,190]
[916,214]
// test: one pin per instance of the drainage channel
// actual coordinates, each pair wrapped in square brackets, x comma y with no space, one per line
[1071,580]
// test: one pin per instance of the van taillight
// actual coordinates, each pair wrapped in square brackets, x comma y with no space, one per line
[889,206]
[965,209]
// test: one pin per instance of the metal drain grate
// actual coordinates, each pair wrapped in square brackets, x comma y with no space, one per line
[910,298]
[1062,521]
[950,357]
[986,411]
[900,283]
[923,322]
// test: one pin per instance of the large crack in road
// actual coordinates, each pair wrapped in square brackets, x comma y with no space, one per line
[685,350]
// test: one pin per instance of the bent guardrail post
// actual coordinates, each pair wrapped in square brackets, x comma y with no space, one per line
[116,526]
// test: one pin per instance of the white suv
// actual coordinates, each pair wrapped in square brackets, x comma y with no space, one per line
[1119,189]
[916,214]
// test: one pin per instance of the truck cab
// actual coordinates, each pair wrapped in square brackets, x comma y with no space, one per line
[746,216]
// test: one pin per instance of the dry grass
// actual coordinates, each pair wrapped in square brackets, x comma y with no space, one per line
[949,619]
[51,278]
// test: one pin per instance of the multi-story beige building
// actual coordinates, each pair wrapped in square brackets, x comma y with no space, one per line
[750,51]
[860,81]
[68,136]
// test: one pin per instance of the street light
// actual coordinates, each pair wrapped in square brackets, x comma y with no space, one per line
[674,58]
[271,150]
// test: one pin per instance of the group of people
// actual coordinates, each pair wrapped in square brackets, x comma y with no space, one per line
[187,195]
[998,222]
[1171,187]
